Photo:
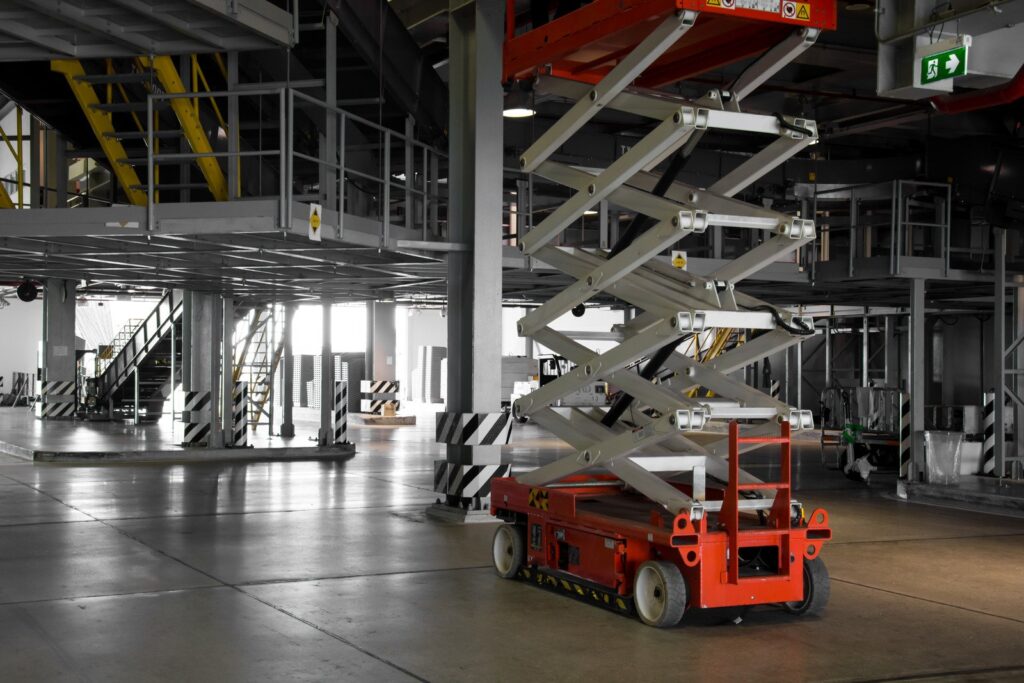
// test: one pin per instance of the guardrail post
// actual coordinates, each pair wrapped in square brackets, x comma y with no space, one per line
[385,209]
[284,181]
[290,160]
[150,190]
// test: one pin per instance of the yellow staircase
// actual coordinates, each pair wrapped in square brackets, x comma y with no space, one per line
[101,95]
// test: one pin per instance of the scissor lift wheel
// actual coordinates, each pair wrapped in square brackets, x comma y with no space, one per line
[508,550]
[659,593]
[817,589]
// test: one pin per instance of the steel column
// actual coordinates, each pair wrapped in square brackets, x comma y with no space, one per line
[326,433]
[205,331]
[227,360]
[917,379]
[383,342]
[288,373]
[828,348]
[865,349]
[476,153]
[59,330]
[891,351]
[1014,358]
[999,348]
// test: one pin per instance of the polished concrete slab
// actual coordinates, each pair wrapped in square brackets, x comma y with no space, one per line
[24,436]
[331,571]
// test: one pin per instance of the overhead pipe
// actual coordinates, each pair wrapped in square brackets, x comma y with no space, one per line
[996,96]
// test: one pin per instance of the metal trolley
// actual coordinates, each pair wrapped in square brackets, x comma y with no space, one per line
[651,514]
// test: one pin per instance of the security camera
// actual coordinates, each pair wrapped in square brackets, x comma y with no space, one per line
[27,291]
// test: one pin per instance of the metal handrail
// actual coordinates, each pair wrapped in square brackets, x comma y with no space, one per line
[427,190]
[140,341]
[281,151]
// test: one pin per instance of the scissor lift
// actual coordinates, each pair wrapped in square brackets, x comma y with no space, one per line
[630,519]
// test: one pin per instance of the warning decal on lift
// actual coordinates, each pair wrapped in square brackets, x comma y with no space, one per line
[581,591]
[800,11]
[770,6]
[538,498]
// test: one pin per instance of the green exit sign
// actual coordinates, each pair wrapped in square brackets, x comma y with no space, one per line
[942,65]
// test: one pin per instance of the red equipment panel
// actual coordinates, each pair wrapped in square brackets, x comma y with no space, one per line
[585,44]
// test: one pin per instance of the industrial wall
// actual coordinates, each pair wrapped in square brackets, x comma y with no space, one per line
[423,327]
[957,360]
[21,330]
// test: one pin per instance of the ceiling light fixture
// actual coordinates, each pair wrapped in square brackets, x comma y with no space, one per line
[518,104]
[518,113]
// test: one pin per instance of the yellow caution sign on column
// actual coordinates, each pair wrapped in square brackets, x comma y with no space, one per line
[315,212]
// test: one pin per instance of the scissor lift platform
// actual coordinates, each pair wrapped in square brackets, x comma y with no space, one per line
[628,520]
[585,44]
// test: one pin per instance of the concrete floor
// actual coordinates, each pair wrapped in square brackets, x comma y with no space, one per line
[330,571]
[22,434]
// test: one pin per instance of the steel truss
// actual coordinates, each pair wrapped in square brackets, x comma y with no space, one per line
[652,442]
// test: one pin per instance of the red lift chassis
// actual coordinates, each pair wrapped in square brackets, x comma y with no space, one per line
[589,537]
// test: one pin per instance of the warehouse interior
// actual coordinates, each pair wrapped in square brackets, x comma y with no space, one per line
[442,340]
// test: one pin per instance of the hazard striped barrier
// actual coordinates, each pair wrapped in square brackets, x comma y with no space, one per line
[376,393]
[775,388]
[988,420]
[373,386]
[376,406]
[466,481]
[340,412]
[473,429]
[58,399]
[905,435]
[197,417]
[240,415]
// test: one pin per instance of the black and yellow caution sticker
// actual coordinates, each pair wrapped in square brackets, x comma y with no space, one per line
[580,590]
[538,498]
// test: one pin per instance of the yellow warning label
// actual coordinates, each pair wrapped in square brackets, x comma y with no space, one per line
[538,498]
[679,259]
[803,11]
[714,3]
[315,213]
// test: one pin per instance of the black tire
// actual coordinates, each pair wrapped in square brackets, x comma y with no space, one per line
[817,588]
[508,550]
[659,593]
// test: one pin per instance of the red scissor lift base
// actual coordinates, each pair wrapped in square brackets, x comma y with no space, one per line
[587,536]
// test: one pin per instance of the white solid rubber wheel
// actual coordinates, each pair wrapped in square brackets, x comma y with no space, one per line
[659,593]
[508,550]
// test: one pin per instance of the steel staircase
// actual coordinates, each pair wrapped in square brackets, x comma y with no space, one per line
[646,447]
[112,97]
[147,350]
[257,356]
